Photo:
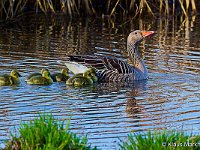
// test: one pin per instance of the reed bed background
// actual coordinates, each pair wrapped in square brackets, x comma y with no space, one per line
[109,8]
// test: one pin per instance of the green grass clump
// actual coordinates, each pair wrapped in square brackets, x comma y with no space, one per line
[46,133]
[166,140]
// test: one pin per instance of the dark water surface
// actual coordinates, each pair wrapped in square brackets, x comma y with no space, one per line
[105,112]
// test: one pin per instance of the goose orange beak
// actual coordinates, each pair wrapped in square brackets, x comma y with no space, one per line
[147,33]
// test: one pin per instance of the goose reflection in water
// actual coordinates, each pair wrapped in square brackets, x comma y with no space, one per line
[131,92]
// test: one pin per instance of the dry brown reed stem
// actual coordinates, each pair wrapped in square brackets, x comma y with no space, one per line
[182,7]
[114,8]
[45,5]
[12,8]
[193,6]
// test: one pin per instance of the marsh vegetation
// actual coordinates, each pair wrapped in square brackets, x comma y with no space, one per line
[45,132]
[110,8]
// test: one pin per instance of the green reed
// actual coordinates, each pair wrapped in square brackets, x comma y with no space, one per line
[45,132]
[166,140]
[12,8]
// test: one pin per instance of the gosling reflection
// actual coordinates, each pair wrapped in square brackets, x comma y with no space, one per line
[132,107]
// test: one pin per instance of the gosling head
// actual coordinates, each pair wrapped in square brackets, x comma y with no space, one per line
[92,70]
[46,74]
[92,74]
[86,74]
[15,74]
[65,71]
[44,69]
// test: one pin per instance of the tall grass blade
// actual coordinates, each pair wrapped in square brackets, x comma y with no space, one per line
[12,8]
[69,8]
[141,6]
[149,8]
[161,6]
[187,5]
[51,6]
[114,8]
[182,7]
[108,6]
[93,10]
[87,7]
[132,4]
[173,7]
[166,7]
[75,7]
[44,6]
[159,141]
[38,3]
[193,6]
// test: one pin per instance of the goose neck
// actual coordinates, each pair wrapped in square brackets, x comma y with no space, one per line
[134,55]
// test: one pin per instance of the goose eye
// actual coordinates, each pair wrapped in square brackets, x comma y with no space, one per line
[135,33]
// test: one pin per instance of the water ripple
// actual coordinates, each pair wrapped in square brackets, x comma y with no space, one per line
[105,112]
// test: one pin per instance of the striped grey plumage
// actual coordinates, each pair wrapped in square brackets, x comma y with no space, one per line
[111,69]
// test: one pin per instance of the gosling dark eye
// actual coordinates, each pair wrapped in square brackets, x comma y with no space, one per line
[135,33]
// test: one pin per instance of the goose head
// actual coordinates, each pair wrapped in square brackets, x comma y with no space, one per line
[137,36]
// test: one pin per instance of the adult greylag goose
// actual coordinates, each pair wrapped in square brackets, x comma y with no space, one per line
[112,69]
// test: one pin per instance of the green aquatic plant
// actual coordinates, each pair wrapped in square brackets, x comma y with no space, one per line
[46,133]
[165,140]
[12,79]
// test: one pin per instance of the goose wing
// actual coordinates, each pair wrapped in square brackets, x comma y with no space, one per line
[102,63]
